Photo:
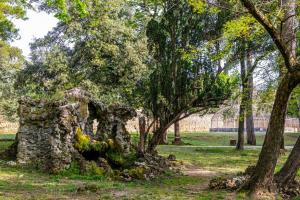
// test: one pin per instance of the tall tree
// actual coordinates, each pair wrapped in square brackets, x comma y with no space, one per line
[185,79]
[242,110]
[10,9]
[250,46]
[105,56]
[11,61]
[285,41]
[251,138]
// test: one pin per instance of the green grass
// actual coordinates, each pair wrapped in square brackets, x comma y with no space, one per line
[7,136]
[220,139]
[23,183]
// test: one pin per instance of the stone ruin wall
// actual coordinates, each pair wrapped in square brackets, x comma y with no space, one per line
[46,132]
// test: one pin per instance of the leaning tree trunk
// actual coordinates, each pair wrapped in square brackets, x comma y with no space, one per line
[177,139]
[262,178]
[289,170]
[157,134]
[251,139]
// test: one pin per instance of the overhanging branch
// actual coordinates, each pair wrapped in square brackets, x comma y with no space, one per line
[289,59]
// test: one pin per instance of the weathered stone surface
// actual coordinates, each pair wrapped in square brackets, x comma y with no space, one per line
[47,129]
[46,132]
[231,184]
[111,119]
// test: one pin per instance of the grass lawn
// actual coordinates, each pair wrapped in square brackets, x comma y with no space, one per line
[200,165]
[221,139]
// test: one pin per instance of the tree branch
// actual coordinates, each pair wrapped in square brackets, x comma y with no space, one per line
[289,59]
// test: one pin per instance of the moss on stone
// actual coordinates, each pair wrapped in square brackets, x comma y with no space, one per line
[111,143]
[93,169]
[99,146]
[82,141]
[137,173]
[117,159]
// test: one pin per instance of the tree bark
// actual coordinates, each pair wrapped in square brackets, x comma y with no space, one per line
[177,138]
[251,138]
[142,130]
[289,25]
[163,139]
[157,134]
[241,128]
[241,135]
[262,178]
[285,40]
[289,170]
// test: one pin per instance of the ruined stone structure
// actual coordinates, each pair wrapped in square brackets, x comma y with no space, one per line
[46,133]
[111,119]
[47,129]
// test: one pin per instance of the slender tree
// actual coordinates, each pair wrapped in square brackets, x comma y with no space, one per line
[242,110]
[177,137]
[285,41]
[251,138]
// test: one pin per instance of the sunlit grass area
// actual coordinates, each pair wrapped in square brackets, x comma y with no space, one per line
[221,139]
[25,183]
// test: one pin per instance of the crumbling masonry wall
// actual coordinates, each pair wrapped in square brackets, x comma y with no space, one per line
[47,129]
[46,132]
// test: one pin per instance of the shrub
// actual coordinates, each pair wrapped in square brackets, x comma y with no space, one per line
[93,169]
[137,172]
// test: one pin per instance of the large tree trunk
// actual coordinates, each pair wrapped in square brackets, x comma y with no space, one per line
[241,128]
[262,178]
[251,139]
[177,139]
[289,170]
[289,26]
[288,34]
[157,134]
[142,130]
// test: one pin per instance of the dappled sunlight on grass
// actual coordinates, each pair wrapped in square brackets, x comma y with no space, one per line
[200,164]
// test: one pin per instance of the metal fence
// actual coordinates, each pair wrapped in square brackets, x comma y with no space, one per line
[219,124]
